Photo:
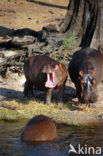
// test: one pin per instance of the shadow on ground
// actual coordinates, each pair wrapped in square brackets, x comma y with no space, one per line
[47,4]
[5,31]
[10,94]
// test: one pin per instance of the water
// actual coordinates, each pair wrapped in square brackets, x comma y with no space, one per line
[11,145]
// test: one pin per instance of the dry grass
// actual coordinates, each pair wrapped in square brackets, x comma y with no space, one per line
[26,109]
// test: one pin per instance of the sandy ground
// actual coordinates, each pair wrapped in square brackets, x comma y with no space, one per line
[16,14]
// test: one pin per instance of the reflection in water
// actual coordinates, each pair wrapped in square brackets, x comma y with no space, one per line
[11,145]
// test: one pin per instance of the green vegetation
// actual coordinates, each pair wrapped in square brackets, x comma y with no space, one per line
[69,41]
[29,108]
[70,114]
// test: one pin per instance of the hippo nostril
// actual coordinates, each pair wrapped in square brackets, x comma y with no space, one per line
[93,99]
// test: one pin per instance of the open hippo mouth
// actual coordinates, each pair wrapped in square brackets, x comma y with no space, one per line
[50,83]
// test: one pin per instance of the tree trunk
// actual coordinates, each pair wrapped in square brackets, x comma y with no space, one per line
[85,21]
[97,39]
[84,18]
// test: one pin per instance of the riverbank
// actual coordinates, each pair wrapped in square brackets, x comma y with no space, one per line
[11,93]
[75,115]
[35,15]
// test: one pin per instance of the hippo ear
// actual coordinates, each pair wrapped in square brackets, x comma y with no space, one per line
[93,73]
[80,73]
[93,81]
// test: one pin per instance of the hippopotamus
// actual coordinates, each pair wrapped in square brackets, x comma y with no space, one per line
[46,74]
[86,71]
[39,129]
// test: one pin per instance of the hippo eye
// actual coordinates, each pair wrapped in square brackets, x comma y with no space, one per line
[58,72]
[56,67]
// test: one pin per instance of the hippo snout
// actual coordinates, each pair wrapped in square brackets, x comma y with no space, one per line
[89,99]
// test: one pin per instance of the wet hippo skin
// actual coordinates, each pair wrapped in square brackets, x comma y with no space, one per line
[39,128]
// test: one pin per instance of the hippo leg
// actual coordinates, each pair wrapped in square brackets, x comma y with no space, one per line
[48,97]
[60,92]
[28,89]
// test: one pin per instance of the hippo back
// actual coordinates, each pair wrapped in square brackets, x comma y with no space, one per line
[39,128]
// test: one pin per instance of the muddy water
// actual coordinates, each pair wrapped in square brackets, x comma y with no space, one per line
[11,145]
